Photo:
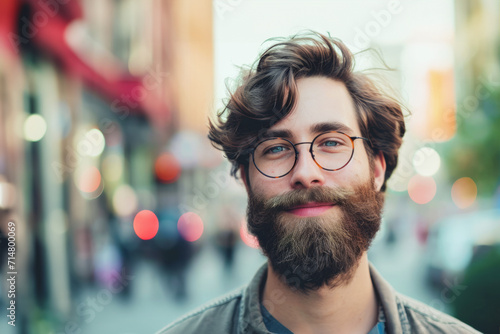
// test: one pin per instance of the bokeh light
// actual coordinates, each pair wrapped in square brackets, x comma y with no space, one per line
[426,161]
[167,168]
[35,128]
[112,167]
[398,183]
[422,189]
[190,226]
[95,141]
[124,200]
[88,179]
[146,224]
[247,238]
[464,192]
[7,194]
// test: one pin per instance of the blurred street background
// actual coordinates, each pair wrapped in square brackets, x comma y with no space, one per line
[117,215]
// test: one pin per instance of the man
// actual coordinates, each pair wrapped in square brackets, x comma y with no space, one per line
[314,143]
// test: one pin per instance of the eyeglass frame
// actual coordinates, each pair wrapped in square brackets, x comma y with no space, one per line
[352,138]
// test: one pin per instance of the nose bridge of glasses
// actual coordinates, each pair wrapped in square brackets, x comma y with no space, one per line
[303,143]
[306,156]
[310,150]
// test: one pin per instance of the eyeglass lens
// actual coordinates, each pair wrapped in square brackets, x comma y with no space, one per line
[276,157]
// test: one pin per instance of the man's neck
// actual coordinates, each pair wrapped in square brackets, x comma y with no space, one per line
[348,308]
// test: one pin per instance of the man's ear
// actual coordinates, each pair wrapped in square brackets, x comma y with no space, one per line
[379,167]
[244,177]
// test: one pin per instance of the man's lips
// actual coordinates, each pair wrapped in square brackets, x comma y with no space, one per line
[310,209]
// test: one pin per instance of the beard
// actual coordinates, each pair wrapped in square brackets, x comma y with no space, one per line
[311,252]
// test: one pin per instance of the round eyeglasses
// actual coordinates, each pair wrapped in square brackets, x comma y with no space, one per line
[276,157]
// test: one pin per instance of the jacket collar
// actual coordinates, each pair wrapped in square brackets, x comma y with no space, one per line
[394,314]
[250,318]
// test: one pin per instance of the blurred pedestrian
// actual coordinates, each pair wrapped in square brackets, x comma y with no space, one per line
[227,234]
[174,253]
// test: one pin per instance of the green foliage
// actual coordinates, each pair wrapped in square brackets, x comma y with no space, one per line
[479,304]
[475,150]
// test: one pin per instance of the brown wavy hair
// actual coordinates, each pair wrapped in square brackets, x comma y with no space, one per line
[267,92]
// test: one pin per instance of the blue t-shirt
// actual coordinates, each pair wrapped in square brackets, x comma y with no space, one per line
[274,326]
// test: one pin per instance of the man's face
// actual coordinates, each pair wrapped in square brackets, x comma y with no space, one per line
[314,224]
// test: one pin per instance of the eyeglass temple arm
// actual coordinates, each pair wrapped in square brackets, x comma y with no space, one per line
[368,140]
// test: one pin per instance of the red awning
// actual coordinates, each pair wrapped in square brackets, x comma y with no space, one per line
[46,27]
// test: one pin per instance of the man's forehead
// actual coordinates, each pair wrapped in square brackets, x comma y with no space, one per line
[322,105]
[313,129]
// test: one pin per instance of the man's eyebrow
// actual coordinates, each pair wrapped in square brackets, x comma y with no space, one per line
[278,133]
[330,126]
[316,128]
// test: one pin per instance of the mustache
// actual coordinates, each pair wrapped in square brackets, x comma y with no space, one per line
[320,194]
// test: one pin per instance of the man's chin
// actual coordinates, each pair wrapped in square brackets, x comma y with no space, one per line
[313,273]
[306,278]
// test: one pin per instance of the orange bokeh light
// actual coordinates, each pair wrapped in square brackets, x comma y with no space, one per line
[464,192]
[167,168]
[146,224]
[89,180]
[247,238]
[190,226]
[422,189]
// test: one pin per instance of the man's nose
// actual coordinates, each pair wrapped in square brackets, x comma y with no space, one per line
[306,173]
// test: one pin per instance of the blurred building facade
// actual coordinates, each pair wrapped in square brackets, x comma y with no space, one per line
[94,97]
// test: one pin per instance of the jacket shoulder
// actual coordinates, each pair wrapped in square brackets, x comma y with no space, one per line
[425,319]
[216,316]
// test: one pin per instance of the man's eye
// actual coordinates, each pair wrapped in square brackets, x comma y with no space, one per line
[331,143]
[276,149]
